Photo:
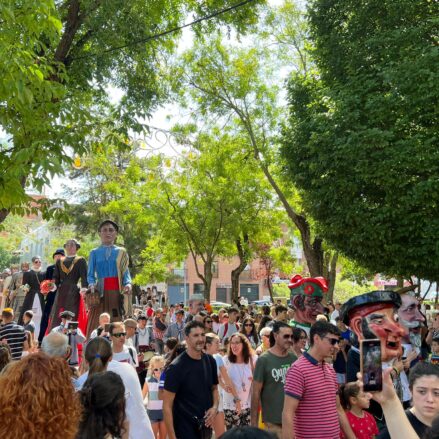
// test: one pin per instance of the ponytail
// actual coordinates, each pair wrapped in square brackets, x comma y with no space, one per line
[347,391]
[97,354]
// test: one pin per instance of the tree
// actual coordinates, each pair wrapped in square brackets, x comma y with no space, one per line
[208,202]
[236,86]
[361,137]
[57,61]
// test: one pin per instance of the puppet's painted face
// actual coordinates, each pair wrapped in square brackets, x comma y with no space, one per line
[379,320]
[306,308]
[411,318]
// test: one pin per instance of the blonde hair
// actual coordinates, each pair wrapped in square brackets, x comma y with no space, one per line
[154,360]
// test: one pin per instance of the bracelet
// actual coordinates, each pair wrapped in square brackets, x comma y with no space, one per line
[235,400]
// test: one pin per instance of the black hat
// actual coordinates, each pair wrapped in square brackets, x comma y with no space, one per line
[59,251]
[381,296]
[108,221]
[66,314]
[142,317]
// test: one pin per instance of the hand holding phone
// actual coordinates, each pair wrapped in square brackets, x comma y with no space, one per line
[370,365]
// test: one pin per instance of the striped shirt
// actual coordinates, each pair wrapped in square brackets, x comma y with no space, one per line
[314,384]
[15,336]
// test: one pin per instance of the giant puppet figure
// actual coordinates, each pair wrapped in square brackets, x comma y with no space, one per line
[412,319]
[108,278]
[306,299]
[373,315]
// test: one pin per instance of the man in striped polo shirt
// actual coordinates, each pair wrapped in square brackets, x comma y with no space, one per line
[12,334]
[312,408]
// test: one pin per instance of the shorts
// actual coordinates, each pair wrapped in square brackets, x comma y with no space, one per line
[232,418]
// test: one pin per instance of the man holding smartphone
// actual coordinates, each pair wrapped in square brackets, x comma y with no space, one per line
[74,334]
[312,408]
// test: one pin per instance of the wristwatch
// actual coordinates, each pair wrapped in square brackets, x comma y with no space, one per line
[235,400]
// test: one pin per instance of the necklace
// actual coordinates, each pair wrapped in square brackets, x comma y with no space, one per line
[242,375]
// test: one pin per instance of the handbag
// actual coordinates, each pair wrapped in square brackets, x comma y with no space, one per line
[92,298]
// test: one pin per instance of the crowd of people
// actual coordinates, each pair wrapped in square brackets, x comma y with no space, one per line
[188,371]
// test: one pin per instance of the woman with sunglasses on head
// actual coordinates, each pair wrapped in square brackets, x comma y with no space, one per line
[155,404]
[34,300]
[240,364]
[248,328]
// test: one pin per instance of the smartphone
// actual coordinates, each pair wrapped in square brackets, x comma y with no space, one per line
[107,327]
[71,326]
[370,365]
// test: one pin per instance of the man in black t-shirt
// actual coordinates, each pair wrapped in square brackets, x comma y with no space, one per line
[190,399]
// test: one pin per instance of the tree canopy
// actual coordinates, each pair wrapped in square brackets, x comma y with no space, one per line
[362,136]
[57,61]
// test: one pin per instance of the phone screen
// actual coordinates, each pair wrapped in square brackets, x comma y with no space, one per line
[107,327]
[371,369]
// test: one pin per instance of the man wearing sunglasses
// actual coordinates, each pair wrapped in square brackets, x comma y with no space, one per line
[312,406]
[122,352]
[269,378]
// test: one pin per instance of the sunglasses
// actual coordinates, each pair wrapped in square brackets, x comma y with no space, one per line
[287,336]
[333,341]
[119,334]
[208,321]
[37,262]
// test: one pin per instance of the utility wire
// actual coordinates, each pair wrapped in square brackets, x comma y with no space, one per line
[169,31]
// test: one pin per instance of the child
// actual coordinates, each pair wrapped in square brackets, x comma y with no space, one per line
[355,402]
[151,390]
[434,356]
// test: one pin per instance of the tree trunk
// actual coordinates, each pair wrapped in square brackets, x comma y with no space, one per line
[243,261]
[207,278]
[332,277]
[312,251]
[270,287]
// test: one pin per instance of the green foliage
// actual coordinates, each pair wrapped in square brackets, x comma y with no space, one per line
[345,289]
[281,290]
[57,61]
[362,141]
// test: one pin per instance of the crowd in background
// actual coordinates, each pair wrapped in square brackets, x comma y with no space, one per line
[129,374]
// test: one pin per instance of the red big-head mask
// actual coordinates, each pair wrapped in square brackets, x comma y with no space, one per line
[374,315]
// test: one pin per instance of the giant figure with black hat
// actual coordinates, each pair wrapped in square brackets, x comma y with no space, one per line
[68,272]
[373,316]
[108,278]
[306,299]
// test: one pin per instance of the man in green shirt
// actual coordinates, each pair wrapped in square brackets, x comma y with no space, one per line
[269,378]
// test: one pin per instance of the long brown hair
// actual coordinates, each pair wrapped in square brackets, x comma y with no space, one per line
[37,399]
[247,350]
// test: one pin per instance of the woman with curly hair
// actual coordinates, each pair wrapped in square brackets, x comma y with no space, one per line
[240,364]
[37,399]
[103,399]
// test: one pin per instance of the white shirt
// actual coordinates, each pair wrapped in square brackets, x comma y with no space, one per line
[241,375]
[139,423]
[126,357]
[334,315]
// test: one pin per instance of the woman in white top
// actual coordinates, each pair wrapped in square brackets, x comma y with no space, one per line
[240,364]
[226,385]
